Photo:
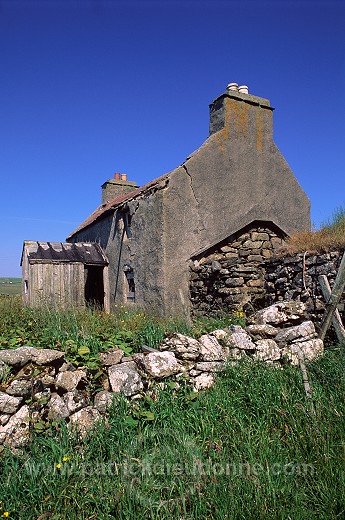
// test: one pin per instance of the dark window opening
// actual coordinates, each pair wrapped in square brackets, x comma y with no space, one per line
[94,288]
[130,284]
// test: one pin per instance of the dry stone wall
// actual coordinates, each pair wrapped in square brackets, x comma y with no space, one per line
[39,386]
[295,277]
[247,271]
[232,273]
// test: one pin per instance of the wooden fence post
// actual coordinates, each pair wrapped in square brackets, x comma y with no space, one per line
[333,301]
[336,320]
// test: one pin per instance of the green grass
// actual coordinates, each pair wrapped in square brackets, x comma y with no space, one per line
[248,448]
[10,286]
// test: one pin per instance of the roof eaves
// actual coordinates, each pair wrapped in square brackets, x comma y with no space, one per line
[113,204]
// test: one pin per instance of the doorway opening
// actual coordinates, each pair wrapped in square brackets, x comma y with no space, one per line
[94,286]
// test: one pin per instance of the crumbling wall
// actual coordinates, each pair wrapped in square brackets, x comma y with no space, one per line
[232,273]
[245,271]
[295,277]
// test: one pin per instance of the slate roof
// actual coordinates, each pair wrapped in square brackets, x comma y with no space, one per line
[110,206]
[85,253]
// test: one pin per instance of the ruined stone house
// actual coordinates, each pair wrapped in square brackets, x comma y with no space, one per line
[216,216]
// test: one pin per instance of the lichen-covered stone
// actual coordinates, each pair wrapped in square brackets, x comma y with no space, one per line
[210,350]
[204,381]
[183,346]
[263,330]
[4,418]
[74,401]
[209,366]
[23,355]
[124,378]
[57,408]
[279,313]
[310,349]
[112,357]
[69,380]
[304,330]
[16,432]
[103,401]
[8,403]
[238,338]
[84,420]
[267,350]
[20,388]
[159,364]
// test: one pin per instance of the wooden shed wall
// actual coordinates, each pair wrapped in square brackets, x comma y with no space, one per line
[60,284]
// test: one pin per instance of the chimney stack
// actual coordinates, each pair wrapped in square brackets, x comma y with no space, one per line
[242,115]
[117,186]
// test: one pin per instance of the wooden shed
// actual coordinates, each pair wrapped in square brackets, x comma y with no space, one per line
[64,275]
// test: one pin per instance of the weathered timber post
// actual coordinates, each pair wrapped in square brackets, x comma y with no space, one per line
[305,380]
[333,301]
[336,319]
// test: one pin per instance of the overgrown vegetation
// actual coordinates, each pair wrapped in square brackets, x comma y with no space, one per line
[83,334]
[248,448]
[330,236]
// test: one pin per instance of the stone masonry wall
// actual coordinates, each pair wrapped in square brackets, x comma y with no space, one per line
[295,277]
[231,274]
[246,272]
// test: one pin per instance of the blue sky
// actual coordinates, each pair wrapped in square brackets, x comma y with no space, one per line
[92,87]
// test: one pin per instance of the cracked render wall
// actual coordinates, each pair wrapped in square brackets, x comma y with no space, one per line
[236,177]
[138,247]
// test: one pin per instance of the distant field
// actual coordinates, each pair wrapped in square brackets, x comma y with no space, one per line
[10,286]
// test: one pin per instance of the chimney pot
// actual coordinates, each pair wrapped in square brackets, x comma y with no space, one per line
[117,176]
[243,89]
[124,176]
[232,86]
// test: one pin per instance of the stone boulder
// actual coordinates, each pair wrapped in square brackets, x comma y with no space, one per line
[204,381]
[305,330]
[84,420]
[211,349]
[26,354]
[267,350]
[240,339]
[280,313]
[16,432]
[57,408]
[184,347]
[103,401]
[8,403]
[69,380]
[158,364]
[124,378]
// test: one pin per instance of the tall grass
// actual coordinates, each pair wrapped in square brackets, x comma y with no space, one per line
[248,448]
[245,449]
[330,236]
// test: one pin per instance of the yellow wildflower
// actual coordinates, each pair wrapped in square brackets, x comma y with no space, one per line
[58,466]
[6,514]
[64,459]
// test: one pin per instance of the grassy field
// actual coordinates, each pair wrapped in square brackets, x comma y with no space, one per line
[10,286]
[248,448]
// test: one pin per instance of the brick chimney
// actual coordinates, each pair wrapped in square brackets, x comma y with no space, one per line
[117,186]
[242,115]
